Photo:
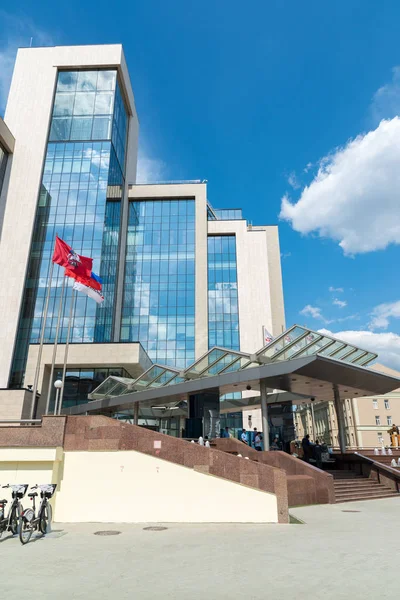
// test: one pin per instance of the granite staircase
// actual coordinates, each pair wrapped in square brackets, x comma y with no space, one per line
[350,487]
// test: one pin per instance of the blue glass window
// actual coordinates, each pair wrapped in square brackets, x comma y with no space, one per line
[159,289]
[226,214]
[223,310]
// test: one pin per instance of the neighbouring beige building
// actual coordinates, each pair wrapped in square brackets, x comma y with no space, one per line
[367,419]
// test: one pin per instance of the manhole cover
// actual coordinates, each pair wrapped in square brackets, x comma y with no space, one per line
[351,511]
[107,533]
[154,528]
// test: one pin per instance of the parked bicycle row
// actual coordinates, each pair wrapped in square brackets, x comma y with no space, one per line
[26,521]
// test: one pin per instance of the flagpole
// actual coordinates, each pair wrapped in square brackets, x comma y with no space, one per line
[66,349]
[55,348]
[39,358]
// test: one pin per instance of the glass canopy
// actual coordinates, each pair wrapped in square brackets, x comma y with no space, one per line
[296,342]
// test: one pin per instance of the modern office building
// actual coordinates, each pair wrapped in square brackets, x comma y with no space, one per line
[367,420]
[179,276]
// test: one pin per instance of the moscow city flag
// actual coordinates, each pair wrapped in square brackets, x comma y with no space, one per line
[65,256]
[78,267]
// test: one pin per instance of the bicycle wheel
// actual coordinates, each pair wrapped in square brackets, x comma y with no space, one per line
[25,531]
[14,518]
[45,518]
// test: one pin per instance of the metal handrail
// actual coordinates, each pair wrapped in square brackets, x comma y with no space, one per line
[20,420]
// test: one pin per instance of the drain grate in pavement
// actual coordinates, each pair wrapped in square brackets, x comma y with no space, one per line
[351,511]
[110,532]
[154,528]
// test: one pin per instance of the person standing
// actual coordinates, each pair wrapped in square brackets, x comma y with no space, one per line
[243,437]
[225,433]
[306,445]
[318,454]
[258,441]
[275,444]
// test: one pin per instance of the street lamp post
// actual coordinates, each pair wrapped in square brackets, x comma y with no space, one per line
[58,385]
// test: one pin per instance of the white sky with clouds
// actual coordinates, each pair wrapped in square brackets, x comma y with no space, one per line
[353,199]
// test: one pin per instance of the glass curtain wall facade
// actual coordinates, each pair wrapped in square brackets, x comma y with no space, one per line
[79,200]
[159,287]
[223,309]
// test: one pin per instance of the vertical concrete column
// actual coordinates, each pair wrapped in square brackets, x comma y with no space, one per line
[123,234]
[340,418]
[313,420]
[136,413]
[264,413]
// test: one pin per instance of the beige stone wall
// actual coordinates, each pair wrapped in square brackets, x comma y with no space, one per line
[15,404]
[139,488]
[142,488]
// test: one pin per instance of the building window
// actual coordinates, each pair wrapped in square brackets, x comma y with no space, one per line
[389,421]
[377,420]
[226,214]
[387,404]
[223,309]
[159,288]
[380,437]
[375,403]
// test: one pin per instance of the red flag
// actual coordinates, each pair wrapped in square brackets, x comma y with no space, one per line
[65,256]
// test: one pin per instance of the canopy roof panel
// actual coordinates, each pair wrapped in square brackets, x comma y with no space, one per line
[294,343]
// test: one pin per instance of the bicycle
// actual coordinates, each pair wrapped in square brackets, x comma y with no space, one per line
[10,523]
[29,521]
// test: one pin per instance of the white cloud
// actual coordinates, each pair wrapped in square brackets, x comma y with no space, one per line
[354,198]
[17,32]
[339,303]
[386,345]
[386,101]
[382,313]
[293,181]
[285,255]
[333,289]
[314,312]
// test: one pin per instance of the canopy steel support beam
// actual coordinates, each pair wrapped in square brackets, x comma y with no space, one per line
[264,413]
[340,417]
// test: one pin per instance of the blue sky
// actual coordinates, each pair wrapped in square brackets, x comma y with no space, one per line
[279,105]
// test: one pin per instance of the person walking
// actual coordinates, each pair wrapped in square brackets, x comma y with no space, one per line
[258,441]
[254,436]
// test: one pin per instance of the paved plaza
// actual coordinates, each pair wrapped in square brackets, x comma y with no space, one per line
[334,554]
